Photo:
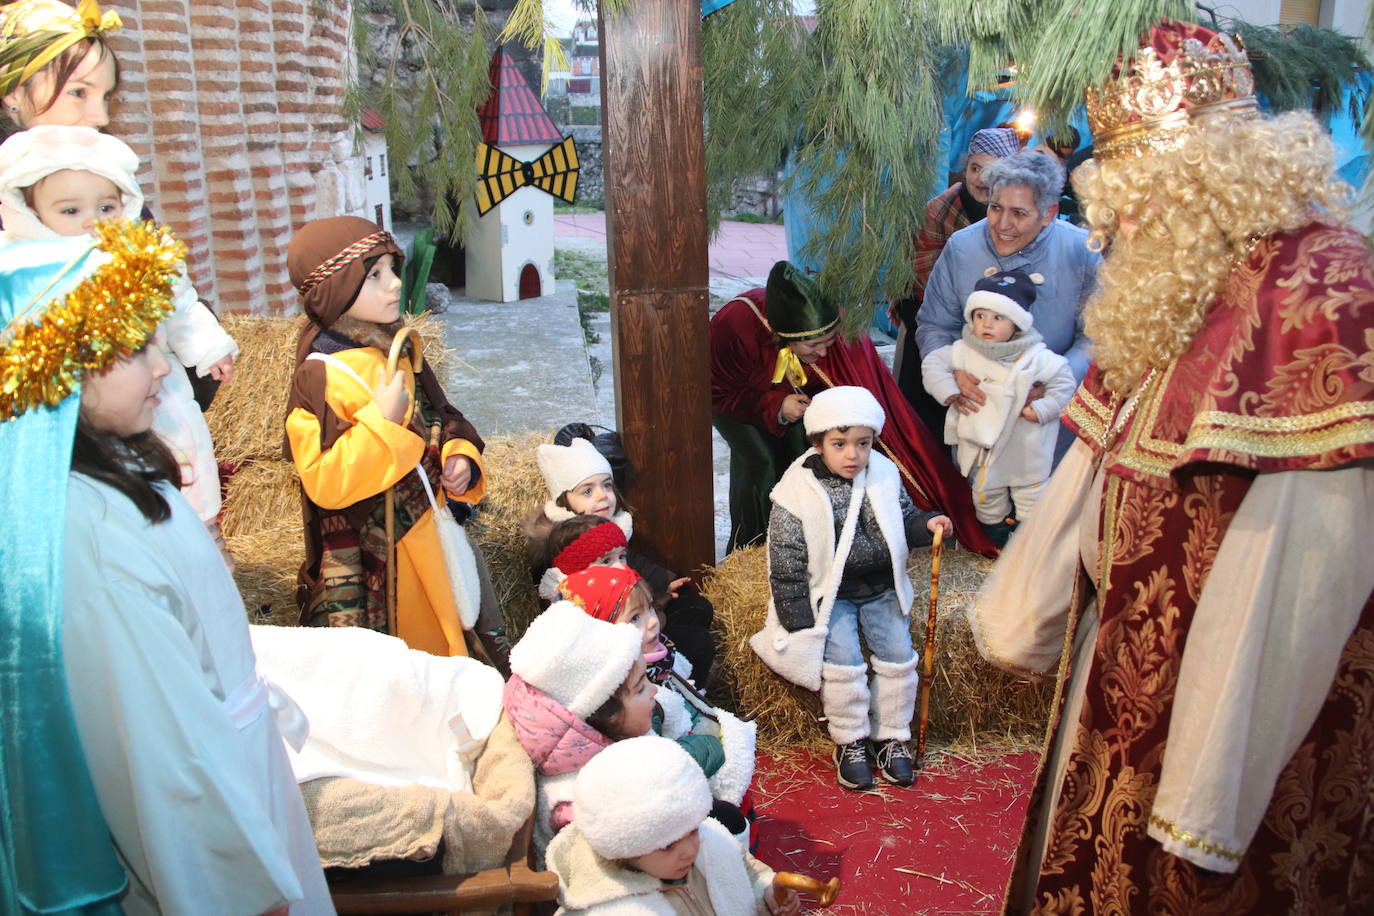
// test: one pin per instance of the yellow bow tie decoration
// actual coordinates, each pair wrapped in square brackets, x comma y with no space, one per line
[790,367]
[499,175]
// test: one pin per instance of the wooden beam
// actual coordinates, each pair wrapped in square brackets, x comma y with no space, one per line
[655,180]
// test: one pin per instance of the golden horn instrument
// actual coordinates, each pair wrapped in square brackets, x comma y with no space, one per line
[825,892]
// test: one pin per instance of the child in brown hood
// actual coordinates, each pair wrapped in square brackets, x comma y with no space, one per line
[353,433]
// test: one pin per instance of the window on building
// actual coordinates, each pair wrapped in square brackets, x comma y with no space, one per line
[380,217]
[367,168]
[1300,12]
[381,160]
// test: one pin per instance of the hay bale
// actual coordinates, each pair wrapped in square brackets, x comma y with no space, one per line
[261,494]
[267,560]
[514,488]
[248,415]
[973,705]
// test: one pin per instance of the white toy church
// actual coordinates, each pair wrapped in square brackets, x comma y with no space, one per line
[522,164]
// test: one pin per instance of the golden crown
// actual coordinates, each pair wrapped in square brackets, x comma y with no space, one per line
[1154,103]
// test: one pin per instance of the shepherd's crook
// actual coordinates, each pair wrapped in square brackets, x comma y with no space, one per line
[937,544]
[392,365]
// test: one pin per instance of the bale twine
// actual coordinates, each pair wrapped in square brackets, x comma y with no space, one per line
[514,489]
[248,414]
[974,706]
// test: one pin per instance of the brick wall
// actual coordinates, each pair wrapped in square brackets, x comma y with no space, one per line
[234,107]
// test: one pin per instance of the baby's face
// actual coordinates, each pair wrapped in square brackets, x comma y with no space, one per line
[991,326]
[69,201]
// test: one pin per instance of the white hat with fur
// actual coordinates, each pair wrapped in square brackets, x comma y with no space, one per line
[565,466]
[638,796]
[576,659]
[844,406]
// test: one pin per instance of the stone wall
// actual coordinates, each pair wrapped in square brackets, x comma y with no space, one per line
[234,108]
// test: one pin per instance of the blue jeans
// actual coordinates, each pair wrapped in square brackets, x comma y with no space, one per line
[879,617]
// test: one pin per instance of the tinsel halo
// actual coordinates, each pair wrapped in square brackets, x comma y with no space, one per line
[110,314]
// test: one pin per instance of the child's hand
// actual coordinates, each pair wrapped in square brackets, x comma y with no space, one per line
[457,476]
[784,902]
[223,370]
[391,397]
[941,521]
[1028,413]
[676,584]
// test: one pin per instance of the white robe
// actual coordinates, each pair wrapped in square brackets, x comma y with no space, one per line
[198,792]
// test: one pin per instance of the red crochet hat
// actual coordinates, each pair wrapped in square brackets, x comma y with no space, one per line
[589,547]
[601,591]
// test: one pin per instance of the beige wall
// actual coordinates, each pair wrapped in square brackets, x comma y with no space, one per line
[234,107]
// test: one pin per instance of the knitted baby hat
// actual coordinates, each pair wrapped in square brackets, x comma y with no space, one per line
[576,659]
[1009,292]
[845,405]
[565,466]
[599,590]
[590,546]
[638,796]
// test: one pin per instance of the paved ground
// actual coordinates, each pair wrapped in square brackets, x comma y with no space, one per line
[740,250]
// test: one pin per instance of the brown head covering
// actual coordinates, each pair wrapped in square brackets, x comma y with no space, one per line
[326,260]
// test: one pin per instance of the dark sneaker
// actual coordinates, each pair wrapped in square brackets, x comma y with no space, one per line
[895,762]
[852,769]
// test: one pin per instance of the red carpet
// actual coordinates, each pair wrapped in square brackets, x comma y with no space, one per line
[942,846]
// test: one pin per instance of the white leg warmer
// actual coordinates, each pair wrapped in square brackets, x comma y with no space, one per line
[844,698]
[894,698]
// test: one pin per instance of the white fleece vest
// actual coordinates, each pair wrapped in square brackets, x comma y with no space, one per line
[798,656]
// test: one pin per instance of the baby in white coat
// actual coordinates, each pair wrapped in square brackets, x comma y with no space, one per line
[57,181]
[1005,446]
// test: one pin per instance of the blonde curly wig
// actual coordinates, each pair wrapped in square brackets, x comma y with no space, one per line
[1179,222]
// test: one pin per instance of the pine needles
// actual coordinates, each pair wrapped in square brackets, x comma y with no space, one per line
[427,86]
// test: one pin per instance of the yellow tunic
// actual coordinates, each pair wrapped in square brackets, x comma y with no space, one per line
[368,457]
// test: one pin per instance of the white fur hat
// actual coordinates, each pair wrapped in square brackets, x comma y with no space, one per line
[573,657]
[845,405]
[637,796]
[565,466]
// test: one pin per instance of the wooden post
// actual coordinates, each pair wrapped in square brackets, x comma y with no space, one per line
[655,180]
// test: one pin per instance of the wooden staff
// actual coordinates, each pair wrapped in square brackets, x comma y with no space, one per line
[825,892]
[928,661]
[393,362]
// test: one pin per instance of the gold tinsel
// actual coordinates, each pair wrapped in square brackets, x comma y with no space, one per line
[110,314]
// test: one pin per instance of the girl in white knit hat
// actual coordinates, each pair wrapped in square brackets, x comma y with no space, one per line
[838,538]
[577,686]
[641,842]
[57,181]
[1005,445]
[580,481]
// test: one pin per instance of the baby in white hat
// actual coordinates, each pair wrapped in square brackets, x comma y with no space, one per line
[838,538]
[57,181]
[641,841]
[1005,443]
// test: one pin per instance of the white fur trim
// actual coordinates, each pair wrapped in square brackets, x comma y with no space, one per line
[575,658]
[798,656]
[32,155]
[677,721]
[549,582]
[844,698]
[565,466]
[893,690]
[844,405]
[682,667]
[996,302]
[639,795]
[740,740]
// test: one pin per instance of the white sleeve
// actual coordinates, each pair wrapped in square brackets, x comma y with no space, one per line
[1291,577]
[183,800]
[937,374]
[1059,388]
[194,335]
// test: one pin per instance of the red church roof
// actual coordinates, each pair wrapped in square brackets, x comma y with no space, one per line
[513,114]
